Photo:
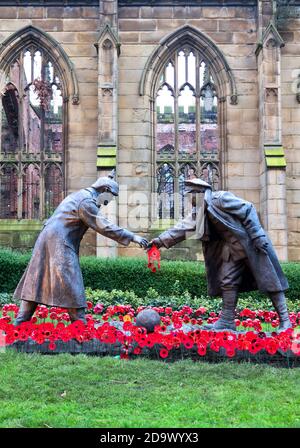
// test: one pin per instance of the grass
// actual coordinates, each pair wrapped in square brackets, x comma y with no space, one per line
[80,391]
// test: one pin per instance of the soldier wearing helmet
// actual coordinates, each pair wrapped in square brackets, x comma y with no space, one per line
[53,276]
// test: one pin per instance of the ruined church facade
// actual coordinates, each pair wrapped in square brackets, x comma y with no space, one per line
[161,91]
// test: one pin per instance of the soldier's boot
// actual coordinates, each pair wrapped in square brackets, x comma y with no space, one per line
[226,320]
[279,303]
[26,312]
[77,314]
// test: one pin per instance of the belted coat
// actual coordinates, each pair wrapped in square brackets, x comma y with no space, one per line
[53,275]
[241,225]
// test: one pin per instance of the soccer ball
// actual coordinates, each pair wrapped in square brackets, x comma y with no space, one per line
[148,319]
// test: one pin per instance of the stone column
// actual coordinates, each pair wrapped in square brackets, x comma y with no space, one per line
[272,166]
[108,52]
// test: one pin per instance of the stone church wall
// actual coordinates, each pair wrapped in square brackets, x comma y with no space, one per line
[244,33]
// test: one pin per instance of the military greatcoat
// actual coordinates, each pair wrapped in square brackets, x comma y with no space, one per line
[53,276]
[231,224]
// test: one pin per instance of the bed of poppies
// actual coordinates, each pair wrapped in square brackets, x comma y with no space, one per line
[179,329]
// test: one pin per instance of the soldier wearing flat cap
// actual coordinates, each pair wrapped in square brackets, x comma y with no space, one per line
[238,254]
[53,276]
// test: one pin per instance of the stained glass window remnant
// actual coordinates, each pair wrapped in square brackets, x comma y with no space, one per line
[187,171]
[8,191]
[210,173]
[10,124]
[165,128]
[31,192]
[187,139]
[209,132]
[187,121]
[53,188]
[32,137]
[165,190]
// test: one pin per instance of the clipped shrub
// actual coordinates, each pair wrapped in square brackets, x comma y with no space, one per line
[132,274]
[153,299]
[12,266]
[5,298]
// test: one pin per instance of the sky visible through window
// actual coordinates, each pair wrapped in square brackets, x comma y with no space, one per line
[185,74]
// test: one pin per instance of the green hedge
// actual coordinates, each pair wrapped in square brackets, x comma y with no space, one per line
[174,277]
[152,298]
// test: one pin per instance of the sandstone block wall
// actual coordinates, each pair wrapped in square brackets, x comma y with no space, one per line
[290,71]
[234,30]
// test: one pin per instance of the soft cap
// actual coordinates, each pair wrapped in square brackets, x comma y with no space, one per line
[192,184]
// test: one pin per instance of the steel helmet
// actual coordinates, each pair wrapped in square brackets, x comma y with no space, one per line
[107,182]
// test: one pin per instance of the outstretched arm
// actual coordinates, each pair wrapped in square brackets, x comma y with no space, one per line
[90,216]
[176,234]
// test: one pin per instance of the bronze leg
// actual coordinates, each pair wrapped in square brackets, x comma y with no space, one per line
[226,320]
[231,277]
[77,314]
[279,303]
[26,312]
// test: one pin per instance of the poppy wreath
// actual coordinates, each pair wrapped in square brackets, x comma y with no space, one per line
[114,330]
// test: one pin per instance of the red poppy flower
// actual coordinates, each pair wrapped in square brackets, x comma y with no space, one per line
[201,310]
[142,341]
[52,346]
[124,354]
[137,351]
[163,353]
[127,326]
[23,336]
[201,350]
[176,342]
[230,352]
[214,346]
[8,319]
[98,308]
[166,320]
[188,343]
[271,346]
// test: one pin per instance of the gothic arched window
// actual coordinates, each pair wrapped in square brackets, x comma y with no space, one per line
[186,129]
[32,137]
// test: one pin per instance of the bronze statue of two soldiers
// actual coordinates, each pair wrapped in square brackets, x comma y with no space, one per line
[238,254]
